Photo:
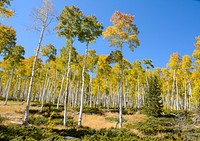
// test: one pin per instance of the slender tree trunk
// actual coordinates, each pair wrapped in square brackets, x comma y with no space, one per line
[90,89]
[32,77]
[49,92]
[23,88]
[147,79]
[66,96]
[44,93]
[168,93]
[61,89]
[14,94]
[185,94]
[125,95]
[190,94]
[10,82]
[55,88]
[5,88]
[177,96]
[76,94]
[45,84]
[19,87]
[138,93]
[82,88]
[173,90]
[98,94]
[121,90]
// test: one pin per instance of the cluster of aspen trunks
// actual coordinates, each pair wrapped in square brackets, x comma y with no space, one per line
[179,85]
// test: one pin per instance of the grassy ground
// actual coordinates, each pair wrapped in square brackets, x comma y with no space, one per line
[97,125]
[14,112]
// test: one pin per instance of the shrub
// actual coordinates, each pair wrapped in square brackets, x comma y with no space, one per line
[154,126]
[20,132]
[38,120]
[112,135]
[89,110]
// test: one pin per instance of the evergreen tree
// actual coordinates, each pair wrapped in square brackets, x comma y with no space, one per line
[153,101]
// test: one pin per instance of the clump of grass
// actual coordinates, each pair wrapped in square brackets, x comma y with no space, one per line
[114,119]
[2,119]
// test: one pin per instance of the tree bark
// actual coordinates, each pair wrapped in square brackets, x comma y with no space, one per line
[90,89]
[61,89]
[66,96]
[121,90]
[9,85]
[82,88]
[32,77]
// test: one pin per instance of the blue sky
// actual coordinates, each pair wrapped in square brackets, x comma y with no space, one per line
[166,26]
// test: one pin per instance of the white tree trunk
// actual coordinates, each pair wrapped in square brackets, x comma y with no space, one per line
[82,88]
[90,90]
[44,93]
[61,89]
[32,77]
[8,91]
[121,91]
[66,96]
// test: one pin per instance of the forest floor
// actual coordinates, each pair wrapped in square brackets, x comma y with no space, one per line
[14,113]
[98,124]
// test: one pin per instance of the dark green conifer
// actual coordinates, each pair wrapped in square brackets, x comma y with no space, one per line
[153,102]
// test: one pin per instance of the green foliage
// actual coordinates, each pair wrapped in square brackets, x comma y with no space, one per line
[148,63]
[78,133]
[49,51]
[70,20]
[93,110]
[112,119]
[2,119]
[112,135]
[90,29]
[115,56]
[153,126]
[153,101]
[64,53]
[50,124]
[8,133]
[38,120]
[15,55]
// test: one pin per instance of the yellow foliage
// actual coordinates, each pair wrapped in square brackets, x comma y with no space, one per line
[4,12]
[186,62]
[123,30]
[196,53]
[196,91]
[174,61]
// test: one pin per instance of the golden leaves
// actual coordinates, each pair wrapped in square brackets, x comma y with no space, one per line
[134,38]
[174,61]
[186,62]
[125,19]
[4,12]
[123,31]
[110,31]
[196,52]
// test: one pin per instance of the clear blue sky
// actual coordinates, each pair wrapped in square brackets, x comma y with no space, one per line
[166,26]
